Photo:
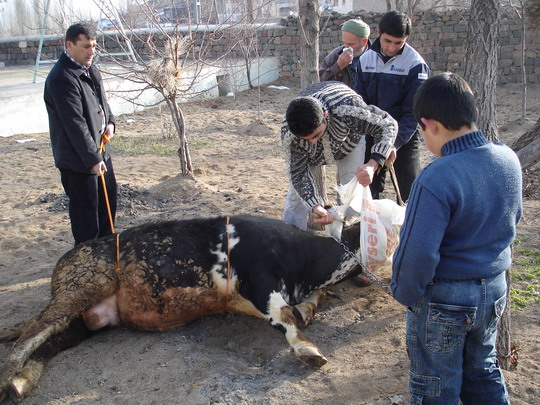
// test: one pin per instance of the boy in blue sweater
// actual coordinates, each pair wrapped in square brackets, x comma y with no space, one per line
[449,269]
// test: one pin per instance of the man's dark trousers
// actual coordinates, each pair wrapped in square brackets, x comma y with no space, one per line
[407,167]
[87,206]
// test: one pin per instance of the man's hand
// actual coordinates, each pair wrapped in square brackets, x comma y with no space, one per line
[321,217]
[109,131]
[345,58]
[393,155]
[365,172]
[99,168]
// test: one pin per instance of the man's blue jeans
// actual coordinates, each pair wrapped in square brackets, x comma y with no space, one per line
[451,334]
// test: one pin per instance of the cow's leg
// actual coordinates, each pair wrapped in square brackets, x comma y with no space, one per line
[79,282]
[30,374]
[281,316]
[305,311]
[35,334]
[26,380]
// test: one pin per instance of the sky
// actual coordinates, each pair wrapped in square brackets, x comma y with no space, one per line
[89,8]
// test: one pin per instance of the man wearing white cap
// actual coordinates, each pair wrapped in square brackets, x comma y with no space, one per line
[341,63]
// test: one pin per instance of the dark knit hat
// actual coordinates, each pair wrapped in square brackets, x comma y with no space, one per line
[357,27]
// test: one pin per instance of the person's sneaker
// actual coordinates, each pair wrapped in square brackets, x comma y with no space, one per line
[361,280]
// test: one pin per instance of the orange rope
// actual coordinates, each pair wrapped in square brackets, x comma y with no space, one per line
[228,268]
[104,139]
[117,268]
[107,201]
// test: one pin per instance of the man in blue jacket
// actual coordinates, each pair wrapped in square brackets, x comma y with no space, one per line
[388,76]
[79,120]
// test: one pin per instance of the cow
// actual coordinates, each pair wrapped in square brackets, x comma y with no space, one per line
[165,274]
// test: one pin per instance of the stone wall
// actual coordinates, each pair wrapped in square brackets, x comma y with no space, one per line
[439,38]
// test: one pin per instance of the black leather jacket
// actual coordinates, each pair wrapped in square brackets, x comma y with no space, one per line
[76,103]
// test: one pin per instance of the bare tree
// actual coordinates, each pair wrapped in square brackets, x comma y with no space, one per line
[410,6]
[481,61]
[172,61]
[248,46]
[244,35]
[244,42]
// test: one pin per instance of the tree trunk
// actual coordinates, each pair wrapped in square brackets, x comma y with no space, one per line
[309,15]
[527,147]
[504,348]
[481,61]
[250,14]
[523,70]
[186,168]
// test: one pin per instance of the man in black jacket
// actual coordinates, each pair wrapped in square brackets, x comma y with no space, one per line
[80,125]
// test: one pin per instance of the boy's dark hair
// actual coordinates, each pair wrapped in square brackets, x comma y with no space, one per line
[73,32]
[447,98]
[396,24]
[304,115]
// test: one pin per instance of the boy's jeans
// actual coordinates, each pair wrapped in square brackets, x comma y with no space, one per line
[451,335]
[296,213]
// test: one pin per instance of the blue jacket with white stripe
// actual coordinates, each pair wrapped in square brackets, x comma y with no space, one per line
[391,85]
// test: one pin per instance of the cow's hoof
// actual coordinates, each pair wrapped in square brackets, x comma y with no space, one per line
[19,388]
[311,356]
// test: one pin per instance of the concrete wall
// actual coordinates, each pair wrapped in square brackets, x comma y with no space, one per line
[21,96]
[439,37]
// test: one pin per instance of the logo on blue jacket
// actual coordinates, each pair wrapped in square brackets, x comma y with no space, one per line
[393,68]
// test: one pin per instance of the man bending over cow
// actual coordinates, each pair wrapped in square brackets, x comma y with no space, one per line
[328,123]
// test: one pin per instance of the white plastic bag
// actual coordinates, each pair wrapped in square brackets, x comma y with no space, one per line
[380,222]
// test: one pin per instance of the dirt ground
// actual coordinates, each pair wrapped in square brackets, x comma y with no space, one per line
[222,359]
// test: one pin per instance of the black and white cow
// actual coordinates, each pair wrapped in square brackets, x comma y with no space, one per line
[161,275]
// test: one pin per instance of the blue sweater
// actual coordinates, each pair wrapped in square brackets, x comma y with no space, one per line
[461,217]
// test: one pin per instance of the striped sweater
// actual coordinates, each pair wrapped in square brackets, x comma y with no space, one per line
[349,118]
